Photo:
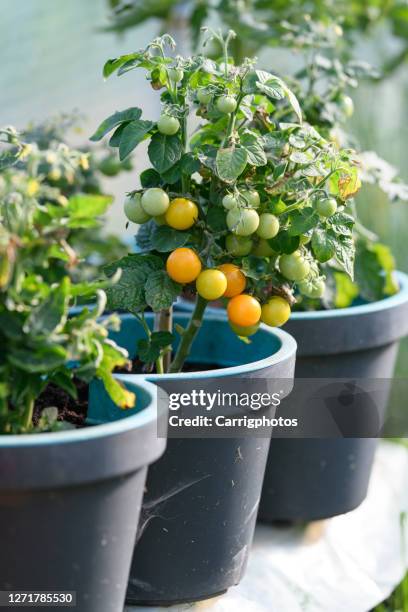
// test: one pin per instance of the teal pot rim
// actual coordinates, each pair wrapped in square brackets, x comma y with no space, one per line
[143,419]
[286,351]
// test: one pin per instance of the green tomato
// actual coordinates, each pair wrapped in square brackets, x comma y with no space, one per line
[203,96]
[168,125]
[312,288]
[229,201]
[155,201]
[251,198]
[175,74]
[243,221]
[268,226]
[326,207]
[134,209]
[109,166]
[226,104]
[347,106]
[244,332]
[262,249]
[238,246]
[294,267]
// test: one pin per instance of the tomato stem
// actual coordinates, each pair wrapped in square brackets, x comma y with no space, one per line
[189,335]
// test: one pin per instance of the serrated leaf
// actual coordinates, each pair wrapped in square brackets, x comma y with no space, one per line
[133,134]
[149,349]
[165,239]
[129,292]
[161,290]
[130,114]
[301,157]
[284,243]
[252,145]
[231,163]
[52,312]
[164,151]
[113,64]
[301,221]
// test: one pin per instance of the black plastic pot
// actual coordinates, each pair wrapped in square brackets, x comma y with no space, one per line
[327,477]
[70,502]
[201,501]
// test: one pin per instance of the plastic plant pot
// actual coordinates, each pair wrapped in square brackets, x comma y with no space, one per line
[70,503]
[201,501]
[328,477]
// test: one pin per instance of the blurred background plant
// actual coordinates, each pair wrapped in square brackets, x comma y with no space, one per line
[49,170]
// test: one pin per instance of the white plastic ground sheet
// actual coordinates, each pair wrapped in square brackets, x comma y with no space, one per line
[346,564]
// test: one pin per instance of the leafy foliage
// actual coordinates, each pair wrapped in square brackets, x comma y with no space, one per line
[40,343]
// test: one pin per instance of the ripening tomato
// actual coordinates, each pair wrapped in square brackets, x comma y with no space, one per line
[236,280]
[226,104]
[155,201]
[168,125]
[326,207]
[238,246]
[262,249]
[204,96]
[244,310]
[181,214]
[243,221]
[183,265]
[294,266]
[268,226]
[229,201]
[211,284]
[134,210]
[275,312]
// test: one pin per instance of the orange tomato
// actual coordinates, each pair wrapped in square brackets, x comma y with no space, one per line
[244,310]
[183,265]
[236,281]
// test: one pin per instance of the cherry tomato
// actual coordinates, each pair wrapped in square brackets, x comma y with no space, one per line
[181,214]
[245,332]
[238,246]
[236,280]
[262,249]
[275,312]
[155,201]
[229,201]
[251,197]
[183,265]
[294,266]
[168,125]
[244,310]
[268,226]
[226,104]
[312,288]
[326,207]
[243,221]
[203,96]
[211,284]
[134,209]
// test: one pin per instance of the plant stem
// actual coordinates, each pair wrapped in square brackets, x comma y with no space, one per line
[163,321]
[189,335]
[28,414]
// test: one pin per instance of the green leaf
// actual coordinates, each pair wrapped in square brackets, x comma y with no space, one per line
[346,290]
[113,357]
[231,163]
[301,221]
[216,218]
[145,235]
[252,145]
[301,157]
[129,293]
[114,140]
[88,206]
[161,290]
[113,64]
[130,114]
[189,164]
[284,243]
[164,151]
[45,318]
[132,135]
[165,239]
[150,178]
[39,360]
[173,175]
[148,350]
[322,245]
[374,270]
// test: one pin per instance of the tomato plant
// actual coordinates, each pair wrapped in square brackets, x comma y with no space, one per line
[42,344]
[235,198]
